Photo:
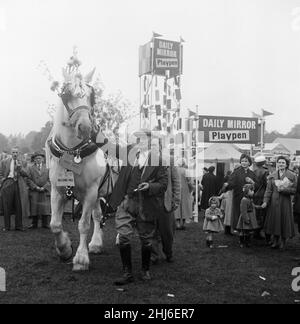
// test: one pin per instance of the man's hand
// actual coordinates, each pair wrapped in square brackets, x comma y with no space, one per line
[264,206]
[144,186]
[249,180]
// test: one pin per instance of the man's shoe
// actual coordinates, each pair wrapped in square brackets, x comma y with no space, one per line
[32,227]
[20,229]
[170,259]
[146,276]
[125,280]
[154,261]
[46,227]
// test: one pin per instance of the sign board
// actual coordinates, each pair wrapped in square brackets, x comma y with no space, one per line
[167,57]
[65,179]
[229,129]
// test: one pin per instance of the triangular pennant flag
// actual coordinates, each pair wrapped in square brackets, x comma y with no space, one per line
[156,35]
[192,114]
[266,113]
[182,40]
[254,115]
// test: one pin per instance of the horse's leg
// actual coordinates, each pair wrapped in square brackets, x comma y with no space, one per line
[81,260]
[62,240]
[96,244]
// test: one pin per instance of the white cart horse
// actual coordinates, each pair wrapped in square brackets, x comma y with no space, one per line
[70,148]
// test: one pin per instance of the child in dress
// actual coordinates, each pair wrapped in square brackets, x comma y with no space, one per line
[247,221]
[212,222]
[226,208]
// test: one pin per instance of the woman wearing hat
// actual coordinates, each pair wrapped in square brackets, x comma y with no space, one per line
[281,186]
[39,191]
[210,188]
[239,178]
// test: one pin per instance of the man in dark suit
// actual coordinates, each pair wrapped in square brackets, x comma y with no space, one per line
[11,177]
[39,191]
[165,223]
[139,197]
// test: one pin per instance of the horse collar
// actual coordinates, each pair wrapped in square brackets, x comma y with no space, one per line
[79,152]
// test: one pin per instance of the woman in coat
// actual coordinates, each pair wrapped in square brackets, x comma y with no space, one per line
[185,210]
[240,177]
[39,191]
[210,187]
[281,186]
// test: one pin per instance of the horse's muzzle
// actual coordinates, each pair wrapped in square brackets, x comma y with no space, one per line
[84,131]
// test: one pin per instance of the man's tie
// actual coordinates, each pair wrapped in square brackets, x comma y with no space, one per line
[15,171]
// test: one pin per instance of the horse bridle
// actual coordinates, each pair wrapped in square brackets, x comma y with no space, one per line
[64,97]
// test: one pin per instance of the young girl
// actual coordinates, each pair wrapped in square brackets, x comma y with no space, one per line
[212,222]
[247,221]
[226,208]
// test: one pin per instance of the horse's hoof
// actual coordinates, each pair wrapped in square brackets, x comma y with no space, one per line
[80,267]
[65,257]
[95,249]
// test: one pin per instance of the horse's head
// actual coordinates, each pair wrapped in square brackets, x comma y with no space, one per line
[79,99]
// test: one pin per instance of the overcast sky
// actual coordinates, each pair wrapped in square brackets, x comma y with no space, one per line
[239,56]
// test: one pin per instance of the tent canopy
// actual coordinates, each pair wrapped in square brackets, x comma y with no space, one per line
[221,152]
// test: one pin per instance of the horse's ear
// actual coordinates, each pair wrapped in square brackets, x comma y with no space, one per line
[89,77]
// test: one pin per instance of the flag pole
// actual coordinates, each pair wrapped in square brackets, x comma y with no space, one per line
[140,103]
[197,171]
[262,134]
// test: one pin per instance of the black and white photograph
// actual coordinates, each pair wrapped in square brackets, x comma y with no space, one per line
[150,154]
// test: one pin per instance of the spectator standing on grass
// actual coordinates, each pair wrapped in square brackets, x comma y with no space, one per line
[209,187]
[165,222]
[247,222]
[282,184]
[226,208]
[184,212]
[14,191]
[139,196]
[39,191]
[241,176]
[261,173]
[212,221]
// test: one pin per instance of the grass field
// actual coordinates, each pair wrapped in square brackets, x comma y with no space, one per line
[198,276]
